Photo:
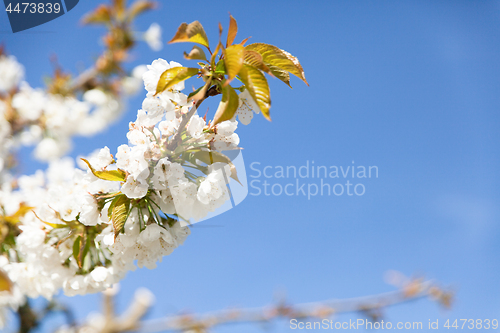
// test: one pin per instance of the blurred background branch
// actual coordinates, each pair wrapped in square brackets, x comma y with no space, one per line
[368,306]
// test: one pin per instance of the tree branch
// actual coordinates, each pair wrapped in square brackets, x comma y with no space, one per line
[27,318]
[369,305]
[83,78]
[213,91]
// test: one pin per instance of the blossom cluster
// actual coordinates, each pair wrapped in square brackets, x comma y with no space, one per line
[82,228]
[30,116]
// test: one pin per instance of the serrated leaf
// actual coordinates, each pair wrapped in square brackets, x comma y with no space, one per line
[227,106]
[110,208]
[231,33]
[211,157]
[192,32]
[174,75]
[5,282]
[196,54]
[274,56]
[280,74]
[112,204]
[298,65]
[139,7]
[258,88]
[112,175]
[254,59]
[120,208]
[234,56]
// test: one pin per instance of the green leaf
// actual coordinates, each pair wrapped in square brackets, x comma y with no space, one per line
[196,54]
[233,29]
[227,106]
[195,92]
[170,221]
[210,157]
[112,204]
[84,249]
[120,207]
[76,248]
[113,175]
[221,67]
[233,59]
[174,75]
[258,88]
[200,92]
[192,32]
[274,56]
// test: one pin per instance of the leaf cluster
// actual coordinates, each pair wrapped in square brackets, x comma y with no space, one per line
[248,64]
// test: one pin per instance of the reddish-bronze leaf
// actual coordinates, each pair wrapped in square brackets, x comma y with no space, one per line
[192,32]
[233,30]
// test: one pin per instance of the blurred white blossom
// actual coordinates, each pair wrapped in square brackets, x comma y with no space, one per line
[152,36]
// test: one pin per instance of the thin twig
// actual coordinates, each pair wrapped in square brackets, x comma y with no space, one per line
[300,311]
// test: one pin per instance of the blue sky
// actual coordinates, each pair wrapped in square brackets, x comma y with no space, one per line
[409,87]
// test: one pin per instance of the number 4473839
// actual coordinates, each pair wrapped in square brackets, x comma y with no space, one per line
[472,324]
[34,8]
